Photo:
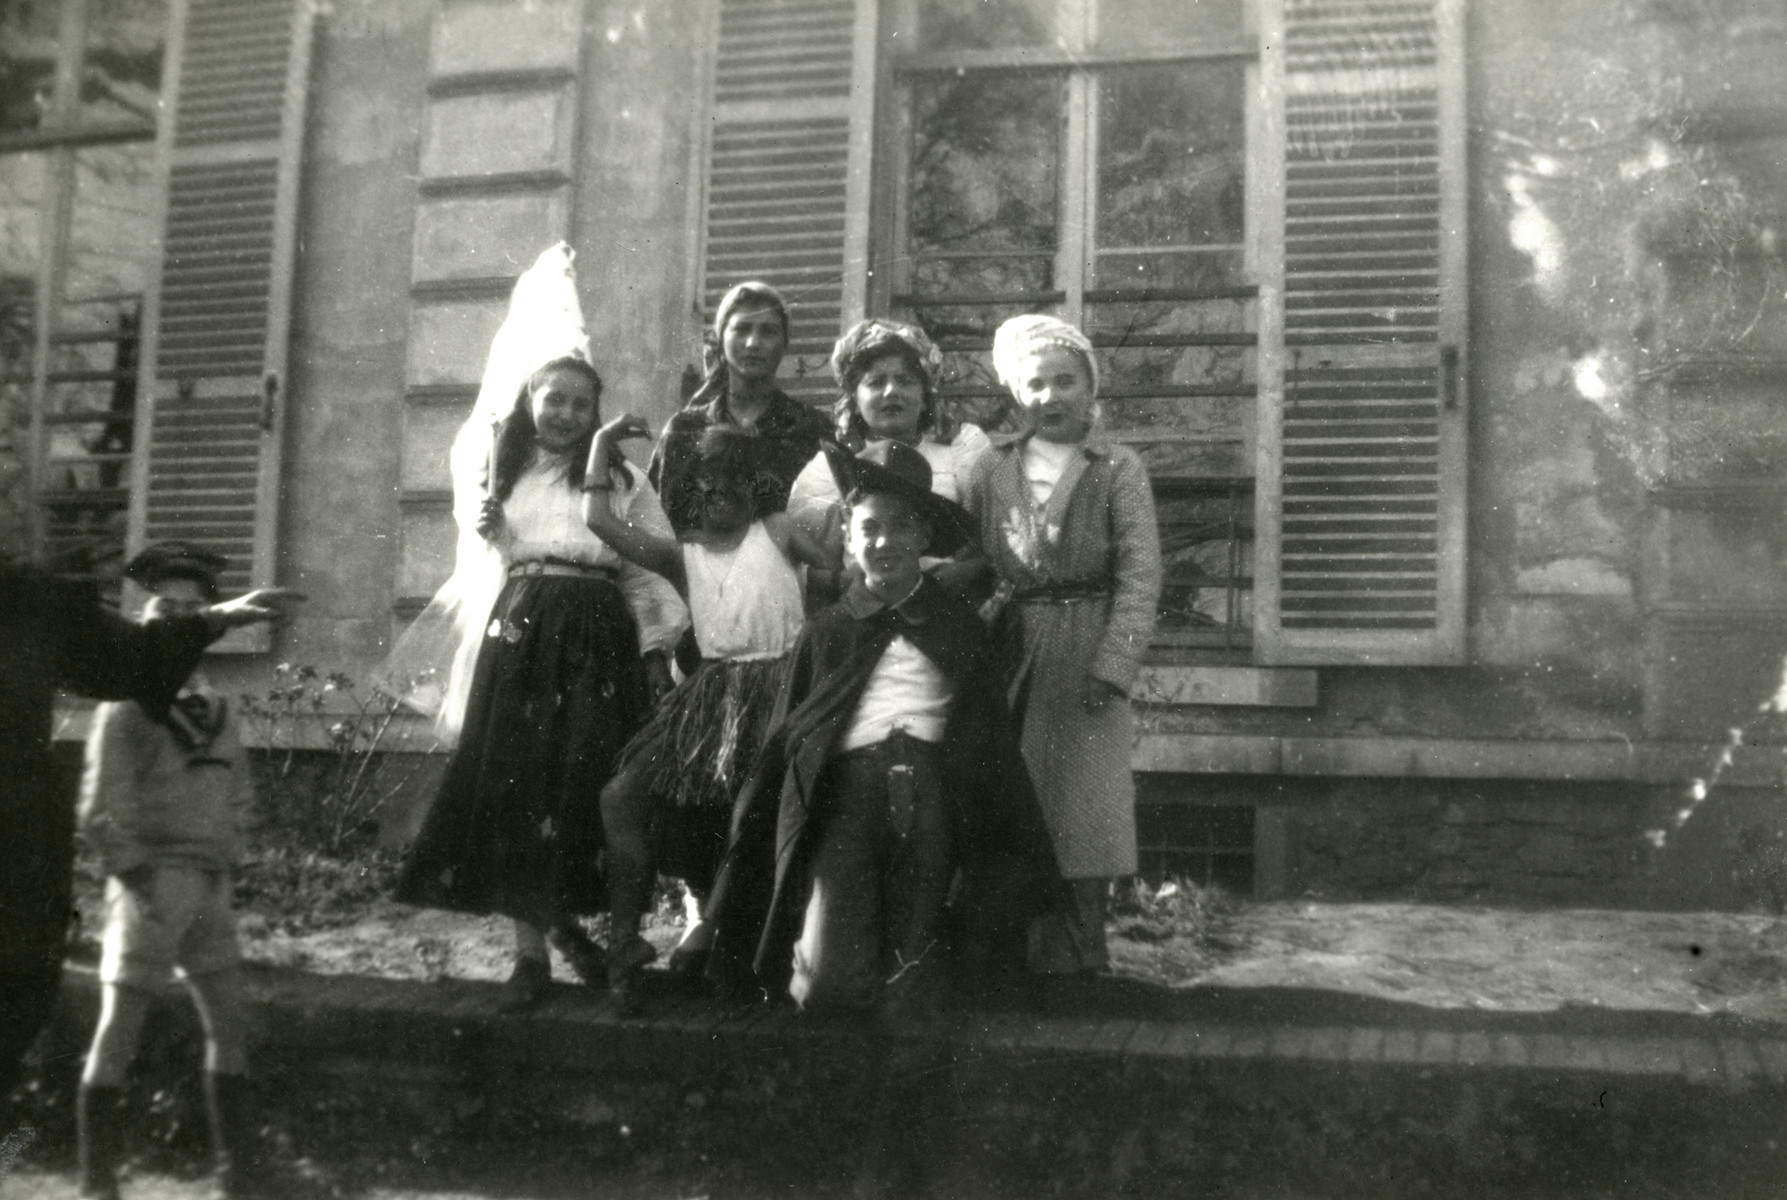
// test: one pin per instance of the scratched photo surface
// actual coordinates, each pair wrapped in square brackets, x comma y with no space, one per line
[1445,624]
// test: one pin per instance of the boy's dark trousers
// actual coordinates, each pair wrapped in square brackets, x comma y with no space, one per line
[880,872]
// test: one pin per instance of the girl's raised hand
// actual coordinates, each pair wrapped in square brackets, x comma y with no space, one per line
[623,428]
[490,519]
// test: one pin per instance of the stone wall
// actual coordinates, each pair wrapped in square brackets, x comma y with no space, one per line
[1486,841]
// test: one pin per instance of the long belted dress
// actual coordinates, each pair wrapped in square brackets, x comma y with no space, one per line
[1083,576]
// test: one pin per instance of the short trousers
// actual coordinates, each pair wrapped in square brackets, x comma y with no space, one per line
[177,921]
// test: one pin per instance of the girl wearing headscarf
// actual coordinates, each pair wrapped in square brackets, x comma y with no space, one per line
[751,331]
[1066,521]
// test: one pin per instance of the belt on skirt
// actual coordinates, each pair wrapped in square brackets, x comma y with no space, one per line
[562,569]
[1064,591]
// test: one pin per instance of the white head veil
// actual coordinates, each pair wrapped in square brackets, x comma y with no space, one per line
[430,667]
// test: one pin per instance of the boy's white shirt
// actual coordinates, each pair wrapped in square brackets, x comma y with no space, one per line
[906,691]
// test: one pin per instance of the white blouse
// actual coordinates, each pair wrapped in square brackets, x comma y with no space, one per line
[814,496]
[1044,464]
[543,518]
[745,601]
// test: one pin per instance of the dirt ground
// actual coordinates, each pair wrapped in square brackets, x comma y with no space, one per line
[1193,949]
[1437,957]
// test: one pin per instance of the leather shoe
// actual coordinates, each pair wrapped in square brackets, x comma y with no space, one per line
[584,955]
[526,985]
[689,958]
[624,960]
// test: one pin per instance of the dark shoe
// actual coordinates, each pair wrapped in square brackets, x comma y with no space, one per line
[689,959]
[99,1125]
[526,985]
[235,1137]
[584,955]
[624,960]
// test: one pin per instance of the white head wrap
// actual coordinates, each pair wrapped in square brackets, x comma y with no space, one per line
[430,667]
[1021,336]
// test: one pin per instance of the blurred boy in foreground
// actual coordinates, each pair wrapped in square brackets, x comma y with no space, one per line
[162,804]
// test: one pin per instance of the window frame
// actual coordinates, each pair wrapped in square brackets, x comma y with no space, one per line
[1081,60]
[64,131]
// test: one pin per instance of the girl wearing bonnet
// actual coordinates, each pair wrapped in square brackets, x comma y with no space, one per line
[1066,521]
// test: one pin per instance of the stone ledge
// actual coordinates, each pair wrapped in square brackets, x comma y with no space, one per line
[1286,1090]
[418,1027]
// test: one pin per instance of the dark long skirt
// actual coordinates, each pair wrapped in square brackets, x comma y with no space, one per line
[557,691]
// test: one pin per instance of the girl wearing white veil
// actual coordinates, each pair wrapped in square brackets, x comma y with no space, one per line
[540,656]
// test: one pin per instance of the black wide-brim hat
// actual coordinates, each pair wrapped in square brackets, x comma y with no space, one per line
[894,467]
[175,560]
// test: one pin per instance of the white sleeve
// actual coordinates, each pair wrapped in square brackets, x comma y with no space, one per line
[814,498]
[970,443]
[660,612]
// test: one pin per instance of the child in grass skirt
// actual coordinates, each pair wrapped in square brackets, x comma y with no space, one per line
[669,804]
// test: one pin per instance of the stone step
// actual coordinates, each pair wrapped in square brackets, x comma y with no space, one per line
[1299,1094]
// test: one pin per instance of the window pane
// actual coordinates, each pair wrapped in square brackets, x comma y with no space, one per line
[1205,269]
[112,245]
[109,255]
[21,192]
[1206,545]
[985,24]
[122,77]
[985,154]
[125,40]
[27,64]
[1171,157]
[1137,23]
[984,275]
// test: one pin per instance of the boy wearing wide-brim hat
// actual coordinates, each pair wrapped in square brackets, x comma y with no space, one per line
[162,801]
[889,785]
[891,768]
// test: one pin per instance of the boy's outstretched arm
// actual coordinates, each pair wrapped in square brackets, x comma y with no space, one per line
[639,546]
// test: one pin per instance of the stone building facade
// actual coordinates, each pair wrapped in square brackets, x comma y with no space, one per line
[1452,332]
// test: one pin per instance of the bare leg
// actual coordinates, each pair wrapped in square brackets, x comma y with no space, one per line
[223,1011]
[530,941]
[527,985]
[632,867]
[122,1011]
[98,1115]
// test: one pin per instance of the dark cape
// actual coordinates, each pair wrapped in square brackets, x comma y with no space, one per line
[56,635]
[1002,847]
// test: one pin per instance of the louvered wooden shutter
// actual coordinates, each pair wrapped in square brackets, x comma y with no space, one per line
[218,311]
[1362,473]
[787,168]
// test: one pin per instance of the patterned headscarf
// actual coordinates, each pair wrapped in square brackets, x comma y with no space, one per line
[751,294]
[1036,331]
[876,336]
